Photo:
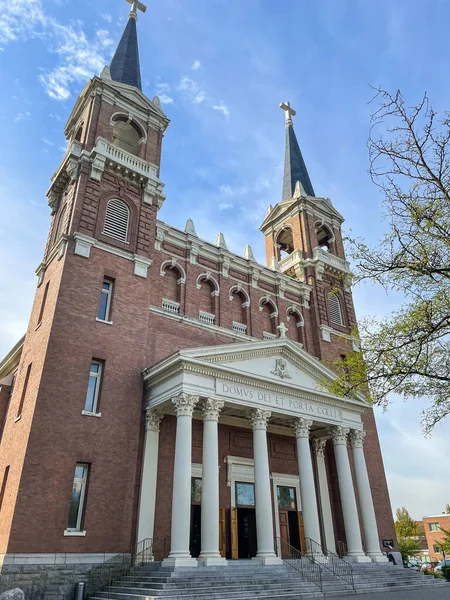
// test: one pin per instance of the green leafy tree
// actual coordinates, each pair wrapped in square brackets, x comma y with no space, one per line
[447,509]
[408,547]
[444,545]
[407,352]
[405,525]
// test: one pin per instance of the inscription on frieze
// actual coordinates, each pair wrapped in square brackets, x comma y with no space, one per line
[258,397]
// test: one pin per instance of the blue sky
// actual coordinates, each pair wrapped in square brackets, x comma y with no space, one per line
[221,68]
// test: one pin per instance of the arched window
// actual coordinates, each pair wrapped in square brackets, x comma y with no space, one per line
[79,133]
[126,136]
[171,290]
[335,309]
[267,318]
[239,311]
[117,220]
[206,296]
[324,238]
[285,241]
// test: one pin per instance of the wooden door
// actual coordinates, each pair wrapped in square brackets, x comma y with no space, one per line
[234,534]
[284,528]
[222,533]
[301,526]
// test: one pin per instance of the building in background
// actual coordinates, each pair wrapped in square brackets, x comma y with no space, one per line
[433,531]
[168,388]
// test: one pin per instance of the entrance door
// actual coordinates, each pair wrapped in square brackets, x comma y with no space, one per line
[247,545]
[195,545]
[243,523]
[290,529]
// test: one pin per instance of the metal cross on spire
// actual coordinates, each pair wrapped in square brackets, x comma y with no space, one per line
[135,6]
[290,112]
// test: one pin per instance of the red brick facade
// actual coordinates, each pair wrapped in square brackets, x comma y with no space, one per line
[42,443]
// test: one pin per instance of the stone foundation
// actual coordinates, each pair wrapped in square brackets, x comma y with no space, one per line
[47,577]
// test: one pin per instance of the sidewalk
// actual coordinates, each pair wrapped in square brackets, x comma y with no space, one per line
[432,593]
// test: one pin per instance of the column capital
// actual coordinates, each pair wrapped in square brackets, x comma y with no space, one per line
[340,435]
[302,427]
[152,420]
[184,404]
[357,438]
[260,419]
[319,447]
[211,409]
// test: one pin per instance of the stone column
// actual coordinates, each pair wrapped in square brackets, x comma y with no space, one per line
[210,555]
[368,518]
[307,484]
[348,499]
[263,496]
[327,517]
[147,501]
[181,499]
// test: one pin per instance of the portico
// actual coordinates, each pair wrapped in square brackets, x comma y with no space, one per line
[270,387]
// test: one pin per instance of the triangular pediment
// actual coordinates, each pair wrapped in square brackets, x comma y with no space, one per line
[278,362]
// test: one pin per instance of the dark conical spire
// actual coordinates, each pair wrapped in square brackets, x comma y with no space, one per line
[294,166]
[125,67]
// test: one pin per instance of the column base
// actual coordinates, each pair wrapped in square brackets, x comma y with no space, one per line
[378,557]
[269,559]
[180,561]
[358,558]
[212,560]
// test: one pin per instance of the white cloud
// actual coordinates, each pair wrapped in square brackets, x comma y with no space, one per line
[193,90]
[227,190]
[107,17]
[22,117]
[196,66]
[161,92]
[80,57]
[223,108]
[225,206]
[47,142]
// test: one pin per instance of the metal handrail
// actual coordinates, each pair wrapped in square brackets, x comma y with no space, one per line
[330,561]
[303,564]
[106,573]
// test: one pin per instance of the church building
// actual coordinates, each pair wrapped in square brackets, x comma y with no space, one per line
[169,389]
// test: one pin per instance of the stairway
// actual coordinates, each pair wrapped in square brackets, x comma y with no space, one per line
[250,580]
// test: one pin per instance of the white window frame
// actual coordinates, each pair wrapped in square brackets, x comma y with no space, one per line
[109,294]
[83,481]
[98,376]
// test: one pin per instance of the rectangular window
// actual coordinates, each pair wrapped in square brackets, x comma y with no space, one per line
[196,490]
[434,527]
[3,488]
[78,498]
[286,498]
[93,391]
[245,494]
[44,300]
[436,548]
[104,310]
[24,391]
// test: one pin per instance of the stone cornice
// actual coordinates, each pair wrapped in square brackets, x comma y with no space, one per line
[126,97]
[180,363]
[318,207]
[227,261]
[12,359]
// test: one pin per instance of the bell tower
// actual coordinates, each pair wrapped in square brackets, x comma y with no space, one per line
[304,240]
[107,189]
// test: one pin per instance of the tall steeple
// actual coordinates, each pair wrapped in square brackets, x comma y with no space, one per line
[125,67]
[294,166]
